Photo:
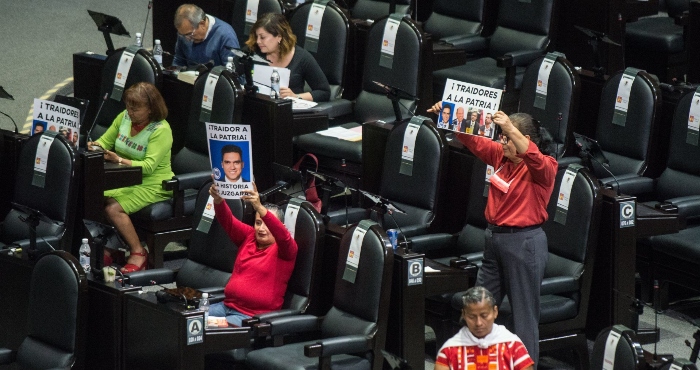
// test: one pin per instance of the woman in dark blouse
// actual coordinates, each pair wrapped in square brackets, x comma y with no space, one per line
[272,36]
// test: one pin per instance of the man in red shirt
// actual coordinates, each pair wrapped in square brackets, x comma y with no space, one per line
[265,260]
[482,345]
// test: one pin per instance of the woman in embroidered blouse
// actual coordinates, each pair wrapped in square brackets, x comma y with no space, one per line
[139,136]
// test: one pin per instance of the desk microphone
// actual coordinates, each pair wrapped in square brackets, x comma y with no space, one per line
[603,165]
[94,121]
[13,121]
[143,34]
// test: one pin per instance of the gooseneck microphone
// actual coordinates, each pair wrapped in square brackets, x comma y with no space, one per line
[94,121]
[603,165]
[143,34]
[13,121]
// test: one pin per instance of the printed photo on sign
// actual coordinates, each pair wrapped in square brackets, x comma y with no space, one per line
[57,117]
[231,158]
[469,108]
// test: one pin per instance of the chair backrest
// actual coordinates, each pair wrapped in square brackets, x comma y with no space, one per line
[57,292]
[332,45]
[563,90]
[309,234]
[471,238]
[226,106]
[521,26]
[429,163]
[455,17]
[210,256]
[362,307]
[682,174]
[628,147]
[143,69]
[406,68]
[240,8]
[375,9]
[572,244]
[53,200]
[628,353]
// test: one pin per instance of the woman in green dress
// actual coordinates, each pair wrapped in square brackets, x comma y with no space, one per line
[139,136]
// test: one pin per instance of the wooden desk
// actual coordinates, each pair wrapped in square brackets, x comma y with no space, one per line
[155,335]
[105,338]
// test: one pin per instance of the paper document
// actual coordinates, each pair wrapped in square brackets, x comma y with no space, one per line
[301,103]
[261,77]
[342,133]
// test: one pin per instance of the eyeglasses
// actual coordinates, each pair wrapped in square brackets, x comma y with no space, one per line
[504,138]
[190,35]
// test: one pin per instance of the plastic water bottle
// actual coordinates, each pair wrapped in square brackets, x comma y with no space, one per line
[204,306]
[85,255]
[229,64]
[274,84]
[139,41]
[158,52]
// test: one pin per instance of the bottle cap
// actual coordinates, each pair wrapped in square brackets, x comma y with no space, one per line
[157,42]
[138,34]
[230,59]
[85,240]
[205,295]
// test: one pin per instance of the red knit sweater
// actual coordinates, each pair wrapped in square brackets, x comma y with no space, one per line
[525,203]
[259,279]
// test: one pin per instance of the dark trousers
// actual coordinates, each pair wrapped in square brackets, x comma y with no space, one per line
[514,265]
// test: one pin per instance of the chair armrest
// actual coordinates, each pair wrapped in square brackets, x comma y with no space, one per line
[461,263]
[149,277]
[46,243]
[218,290]
[192,180]
[688,206]
[682,19]
[334,108]
[354,215]
[564,162]
[431,242]
[7,356]
[631,184]
[287,325]
[519,58]
[338,345]
[265,317]
[470,43]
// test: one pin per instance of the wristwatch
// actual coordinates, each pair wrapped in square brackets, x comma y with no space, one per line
[120,160]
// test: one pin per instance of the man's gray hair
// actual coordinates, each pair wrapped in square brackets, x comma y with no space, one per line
[276,210]
[191,12]
[478,294]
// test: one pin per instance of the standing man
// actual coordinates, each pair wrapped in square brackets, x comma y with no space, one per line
[202,38]
[459,123]
[232,163]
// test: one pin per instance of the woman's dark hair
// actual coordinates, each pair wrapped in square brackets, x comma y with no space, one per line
[276,25]
[144,94]
[531,127]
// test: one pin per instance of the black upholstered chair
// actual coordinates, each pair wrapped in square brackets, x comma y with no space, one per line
[522,34]
[429,167]
[210,255]
[330,51]
[354,329]
[557,113]
[238,18]
[55,200]
[371,104]
[629,354]
[57,308]
[467,246]
[674,257]
[143,69]
[565,290]
[170,220]
[657,43]
[454,22]
[628,148]
[375,9]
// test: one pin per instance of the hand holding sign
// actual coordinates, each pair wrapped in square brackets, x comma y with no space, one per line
[252,196]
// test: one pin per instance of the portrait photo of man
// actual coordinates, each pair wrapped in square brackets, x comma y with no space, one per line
[232,164]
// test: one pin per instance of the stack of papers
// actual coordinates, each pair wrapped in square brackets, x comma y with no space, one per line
[298,104]
[354,134]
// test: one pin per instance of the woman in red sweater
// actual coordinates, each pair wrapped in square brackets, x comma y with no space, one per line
[516,246]
[265,260]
